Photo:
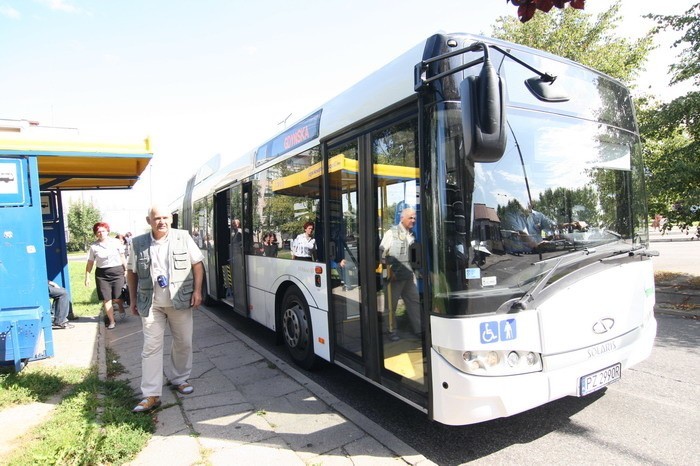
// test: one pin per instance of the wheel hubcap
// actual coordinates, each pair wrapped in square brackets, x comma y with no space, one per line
[292,327]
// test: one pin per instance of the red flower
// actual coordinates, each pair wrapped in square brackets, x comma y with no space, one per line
[527,8]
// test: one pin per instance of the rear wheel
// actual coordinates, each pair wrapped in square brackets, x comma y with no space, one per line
[296,328]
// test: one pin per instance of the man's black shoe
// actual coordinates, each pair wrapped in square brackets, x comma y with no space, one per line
[62,326]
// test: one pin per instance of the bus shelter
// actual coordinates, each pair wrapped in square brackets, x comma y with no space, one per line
[33,174]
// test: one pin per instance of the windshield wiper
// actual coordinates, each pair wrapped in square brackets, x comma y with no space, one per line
[571,258]
[633,251]
[522,303]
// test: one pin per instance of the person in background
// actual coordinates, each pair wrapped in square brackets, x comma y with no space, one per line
[270,245]
[107,255]
[62,307]
[127,240]
[304,245]
[165,275]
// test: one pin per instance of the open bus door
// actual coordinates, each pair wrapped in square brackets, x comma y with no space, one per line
[376,334]
[240,238]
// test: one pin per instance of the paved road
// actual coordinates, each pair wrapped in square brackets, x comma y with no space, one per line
[677,256]
[650,416]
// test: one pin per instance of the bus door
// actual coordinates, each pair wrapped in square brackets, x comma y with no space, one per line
[220,243]
[239,197]
[377,303]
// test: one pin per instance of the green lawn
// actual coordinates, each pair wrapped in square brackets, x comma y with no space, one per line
[85,302]
[93,424]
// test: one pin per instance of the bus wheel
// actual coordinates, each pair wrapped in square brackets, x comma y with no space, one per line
[296,329]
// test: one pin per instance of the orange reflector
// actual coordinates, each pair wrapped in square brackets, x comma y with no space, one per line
[319,269]
[322,340]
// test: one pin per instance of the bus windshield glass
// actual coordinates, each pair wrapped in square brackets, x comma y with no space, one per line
[563,186]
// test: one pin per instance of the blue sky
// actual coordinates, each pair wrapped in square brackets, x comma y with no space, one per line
[209,76]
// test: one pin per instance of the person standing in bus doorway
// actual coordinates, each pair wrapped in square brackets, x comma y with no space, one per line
[107,255]
[236,243]
[236,233]
[165,275]
[304,245]
[394,251]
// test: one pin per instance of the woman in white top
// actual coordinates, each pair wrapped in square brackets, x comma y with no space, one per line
[304,245]
[107,254]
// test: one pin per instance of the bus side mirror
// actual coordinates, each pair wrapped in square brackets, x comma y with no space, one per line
[484,115]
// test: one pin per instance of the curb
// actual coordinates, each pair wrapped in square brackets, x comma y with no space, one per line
[666,310]
[671,237]
[101,356]
[670,240]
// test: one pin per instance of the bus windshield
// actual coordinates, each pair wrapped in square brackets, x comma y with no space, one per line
[563,185]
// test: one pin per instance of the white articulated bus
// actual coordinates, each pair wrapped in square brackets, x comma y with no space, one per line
[528,277]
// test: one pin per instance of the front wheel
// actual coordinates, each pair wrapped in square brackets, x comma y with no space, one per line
[296,328]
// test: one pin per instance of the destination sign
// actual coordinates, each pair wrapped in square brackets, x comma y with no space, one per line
[301,133]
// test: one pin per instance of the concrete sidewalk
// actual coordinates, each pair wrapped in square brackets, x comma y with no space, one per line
[250,407]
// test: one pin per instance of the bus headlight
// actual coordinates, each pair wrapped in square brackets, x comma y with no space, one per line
[492,363]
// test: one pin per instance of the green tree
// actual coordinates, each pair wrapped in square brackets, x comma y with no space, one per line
[670,130]
[574,34]
[81,217]
[581,202]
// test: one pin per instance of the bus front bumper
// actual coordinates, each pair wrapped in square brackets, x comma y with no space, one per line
[461,399]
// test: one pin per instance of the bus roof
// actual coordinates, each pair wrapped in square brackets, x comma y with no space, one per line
[75,164]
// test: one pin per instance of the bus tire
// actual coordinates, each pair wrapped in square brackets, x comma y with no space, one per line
[296,329]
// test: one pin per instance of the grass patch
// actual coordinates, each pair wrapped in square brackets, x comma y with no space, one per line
[75,434]
[114,367]
[35,383]
[93,423]
[84,298]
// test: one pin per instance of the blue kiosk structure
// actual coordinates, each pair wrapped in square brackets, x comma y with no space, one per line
[33,173]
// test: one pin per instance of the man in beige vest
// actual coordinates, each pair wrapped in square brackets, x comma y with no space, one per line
[165,274]
[400,279]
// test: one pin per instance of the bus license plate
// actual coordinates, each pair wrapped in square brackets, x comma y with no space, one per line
[597,380]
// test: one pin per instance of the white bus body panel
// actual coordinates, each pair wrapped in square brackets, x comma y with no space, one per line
[566,339]
[265,277]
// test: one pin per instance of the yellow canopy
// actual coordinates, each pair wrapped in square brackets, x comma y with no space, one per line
[81,165]
[305,182]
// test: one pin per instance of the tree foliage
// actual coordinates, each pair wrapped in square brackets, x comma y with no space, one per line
[81,217]
[670,130]
[575,35]
[688,65]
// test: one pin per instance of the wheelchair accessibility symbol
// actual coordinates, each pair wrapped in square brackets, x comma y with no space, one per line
[493,331]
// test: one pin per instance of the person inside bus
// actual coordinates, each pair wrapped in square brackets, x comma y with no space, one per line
[304,245]
[236,234]
[236,243]
[528,228]
[394,251]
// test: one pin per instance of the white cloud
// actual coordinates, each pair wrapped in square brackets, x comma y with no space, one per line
[250,50]
[9,12]
[60,5]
